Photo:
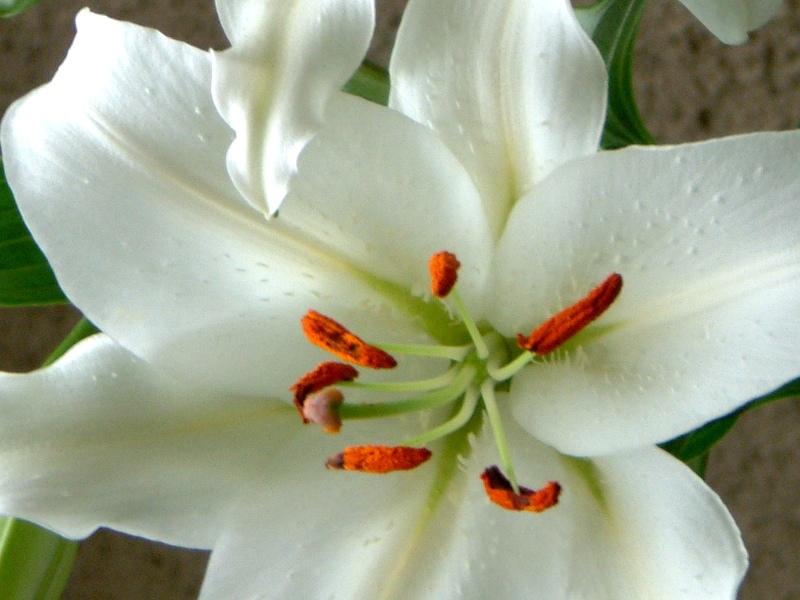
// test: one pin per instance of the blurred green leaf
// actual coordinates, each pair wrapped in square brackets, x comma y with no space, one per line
[34,563]
[25,275]
[369,82]
[9,8]
[615,23]
[695,445]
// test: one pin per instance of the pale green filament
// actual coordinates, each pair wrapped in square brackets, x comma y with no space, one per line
[454,353]
[480,345]
[499,373]
[458,420]
[423,385]
[489,401]
[424,402]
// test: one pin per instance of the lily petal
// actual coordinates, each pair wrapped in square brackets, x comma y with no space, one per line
[397,192]
[149,238]
[408,535]
[103,439]
[288,57]
[730,20]
[510,107]
[706,239]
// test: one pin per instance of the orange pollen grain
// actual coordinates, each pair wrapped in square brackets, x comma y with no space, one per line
[324,375]
[378,459]
[562,326]
[329,335]
[444,273]
[499,490]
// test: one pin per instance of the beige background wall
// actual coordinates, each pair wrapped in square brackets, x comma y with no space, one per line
[690,87]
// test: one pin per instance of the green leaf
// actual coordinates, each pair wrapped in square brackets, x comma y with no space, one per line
[35,563]
[9,8]
[694,446]
[614,24]
[25,275]
[369,82]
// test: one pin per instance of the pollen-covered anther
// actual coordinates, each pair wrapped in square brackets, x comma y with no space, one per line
[444,273]
[562,326]
[329,335]
[499,490]
[378,459]
[324,375]
[322,408]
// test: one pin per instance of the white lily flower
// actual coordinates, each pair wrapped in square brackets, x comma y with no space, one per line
[731,20]
[175,424]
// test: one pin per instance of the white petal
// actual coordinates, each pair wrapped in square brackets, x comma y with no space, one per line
[708,243]
[272,87]
[432,533]
[730,20]
[638,526]
[103,439]
[385,193]
[515,88]
[118,168]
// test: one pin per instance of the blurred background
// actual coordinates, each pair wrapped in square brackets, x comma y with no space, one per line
[689,87]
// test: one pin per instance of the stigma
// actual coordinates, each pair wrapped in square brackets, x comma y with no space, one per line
[468,385]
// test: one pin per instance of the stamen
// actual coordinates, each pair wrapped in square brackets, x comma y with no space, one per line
[421,385]
[322,408]
[444,273]
[335,338]
[499,490]
[324,375]
[480,345]
[490,403]
[562,326]
[417,403]
[460,419]
[510,369]
[456,353]
[378,459]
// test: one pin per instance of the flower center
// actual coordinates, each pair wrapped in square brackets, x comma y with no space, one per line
[475,372]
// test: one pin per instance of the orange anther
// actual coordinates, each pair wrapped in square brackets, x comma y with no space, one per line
[335,338]
[322,408]
[324,375]
[378,459]
[444,273]
[499,490]
[562,326]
